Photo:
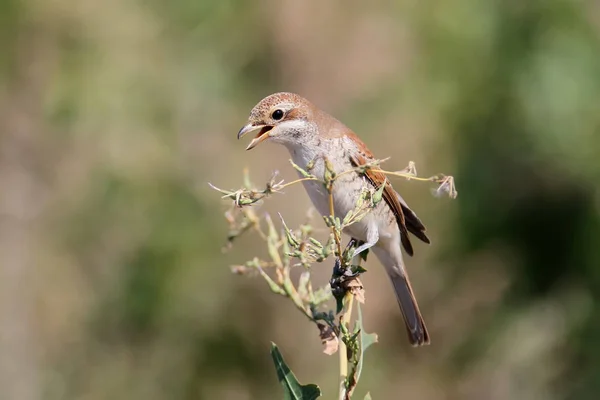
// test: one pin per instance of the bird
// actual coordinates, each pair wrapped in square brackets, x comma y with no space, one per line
[311,135]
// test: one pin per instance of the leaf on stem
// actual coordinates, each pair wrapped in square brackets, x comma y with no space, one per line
[366,340]
[330,175]
[339,304]
[361,341]
[275,288]
[289,235]
[303,285]
[273,242]
[303,172]
[292,389]
[378,195]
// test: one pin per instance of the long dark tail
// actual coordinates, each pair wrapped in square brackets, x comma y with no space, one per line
[394,266]
[415,325]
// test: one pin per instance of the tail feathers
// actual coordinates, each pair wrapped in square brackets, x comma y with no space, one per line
[415,325]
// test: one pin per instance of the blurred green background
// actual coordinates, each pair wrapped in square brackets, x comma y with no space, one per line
[114,115]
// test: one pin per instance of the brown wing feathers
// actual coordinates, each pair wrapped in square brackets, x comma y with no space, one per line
[407,220]
[413,223]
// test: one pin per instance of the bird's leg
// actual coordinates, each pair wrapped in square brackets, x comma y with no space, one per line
[372,238]
[351,243]
[355,256]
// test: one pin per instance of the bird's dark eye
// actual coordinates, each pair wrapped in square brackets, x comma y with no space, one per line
[277,115]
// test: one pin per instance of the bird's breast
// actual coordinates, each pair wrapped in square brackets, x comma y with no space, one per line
[346,189]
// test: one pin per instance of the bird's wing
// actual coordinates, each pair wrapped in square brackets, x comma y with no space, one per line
[389,195]
[413,223]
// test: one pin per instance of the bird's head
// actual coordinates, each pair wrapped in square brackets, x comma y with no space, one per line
[283,118]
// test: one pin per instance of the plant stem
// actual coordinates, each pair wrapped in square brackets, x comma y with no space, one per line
[297,181]
[336,234]
[402,175]
[345,320]
[291,292]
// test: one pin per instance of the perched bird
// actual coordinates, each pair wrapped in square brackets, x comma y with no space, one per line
[309,134]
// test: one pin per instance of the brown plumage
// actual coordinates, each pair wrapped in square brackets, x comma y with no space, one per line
[406,218]
[311,134]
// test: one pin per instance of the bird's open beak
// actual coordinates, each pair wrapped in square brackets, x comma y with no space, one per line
[262,135]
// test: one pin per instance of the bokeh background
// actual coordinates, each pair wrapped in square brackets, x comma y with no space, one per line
[114,115]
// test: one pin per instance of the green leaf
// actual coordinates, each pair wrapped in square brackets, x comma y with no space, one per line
[358,269]
[292,389]
[339,304]
[330,175]
[366,340]
[272,241]
[289,235]
[329,221]
[378,195]
[302,172]
[303,283]
[363,256]
[275,288]
[285,251]
[368,396]
[311,164]
[315,242]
